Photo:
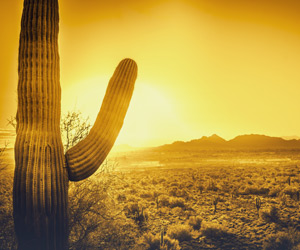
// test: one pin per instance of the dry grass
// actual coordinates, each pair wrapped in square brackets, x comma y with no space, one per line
[127,209]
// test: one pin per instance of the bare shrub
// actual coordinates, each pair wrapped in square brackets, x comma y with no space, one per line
[163,200]
[177,202]
[93,211]
[155,242]
[270,215]
[213,230]
[74,128]
[180,232]
[274,192]
[211,185]
[150,241]
[289,240]
[254,190]
[146,195]
[7,235]
[136,212]
[292,191]
[195,222]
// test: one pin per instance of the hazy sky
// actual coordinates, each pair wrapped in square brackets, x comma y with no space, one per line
[205,66]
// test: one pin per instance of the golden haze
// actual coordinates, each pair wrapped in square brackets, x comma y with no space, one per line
[225,67]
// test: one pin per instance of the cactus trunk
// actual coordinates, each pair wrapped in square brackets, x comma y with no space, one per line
[40,196]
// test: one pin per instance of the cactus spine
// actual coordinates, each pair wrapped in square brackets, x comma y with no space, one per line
[42,172]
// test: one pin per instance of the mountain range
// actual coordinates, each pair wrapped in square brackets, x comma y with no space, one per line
[215,142]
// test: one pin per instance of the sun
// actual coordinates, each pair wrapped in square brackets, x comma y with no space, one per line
[150,112]
[151,119]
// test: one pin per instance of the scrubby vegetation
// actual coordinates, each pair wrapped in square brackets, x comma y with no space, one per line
[173,206]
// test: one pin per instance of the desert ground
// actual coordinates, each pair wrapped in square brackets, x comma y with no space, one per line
[149,199]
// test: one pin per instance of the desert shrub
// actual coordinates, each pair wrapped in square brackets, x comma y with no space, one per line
[156,193]
[121,197]
[213,230]
[177,202]
[136,212]
[146,194]
[173,191]
[96,218]
[289,240]
[154,181]
[144,182]
[200,187]
[92,208]
[292,191]
[255,190]
[178,192]
[176,211]
[170,244]
[150,241]
[195,222]
[111,234]
[153,242]
[161,180]
[211,186]
[274,192]
[164,200]
[7,235]
[132,208]
[283,199]
[3,162]
[183,193]
[180,232]
[74,127]
[189,185]
[270,215]
[163,210]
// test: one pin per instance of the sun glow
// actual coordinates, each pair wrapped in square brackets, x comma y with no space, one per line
[151,113]
[151,118]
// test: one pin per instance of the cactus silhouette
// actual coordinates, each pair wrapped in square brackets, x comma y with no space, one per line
[42,171]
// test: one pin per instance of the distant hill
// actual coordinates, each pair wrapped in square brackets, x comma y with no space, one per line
[123,148]
[252,142]
[291,137]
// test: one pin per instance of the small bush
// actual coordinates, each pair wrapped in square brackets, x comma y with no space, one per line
[255,190]
[177,202]
[163,200]
[170,244]
[283,240]
[121,197]
[292,191]
[211,186]
[146,195]
[274,192]
[195,222]
[213,231]
[180,232]
[153,242]
[150,241]
[270,215]
[7,234]
[136,212]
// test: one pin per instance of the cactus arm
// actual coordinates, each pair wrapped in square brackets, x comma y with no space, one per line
[84,158]
[40,192]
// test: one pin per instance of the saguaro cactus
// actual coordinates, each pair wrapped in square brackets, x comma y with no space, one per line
[42,171]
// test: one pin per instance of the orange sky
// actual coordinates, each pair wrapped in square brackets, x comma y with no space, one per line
[214,66]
